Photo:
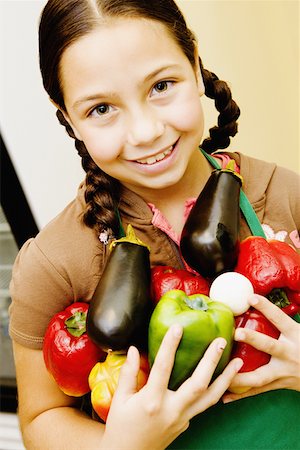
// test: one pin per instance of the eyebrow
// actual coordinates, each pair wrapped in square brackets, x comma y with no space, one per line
[149,77]
[92,98]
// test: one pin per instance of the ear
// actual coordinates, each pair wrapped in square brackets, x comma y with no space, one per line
[67,118]
[199,79]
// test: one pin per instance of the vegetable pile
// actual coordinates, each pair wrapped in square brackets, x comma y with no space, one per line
[85,345]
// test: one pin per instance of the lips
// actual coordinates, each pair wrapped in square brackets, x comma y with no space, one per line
[158,157]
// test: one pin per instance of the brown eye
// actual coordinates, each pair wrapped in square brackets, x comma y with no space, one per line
[161,86]
[102,109]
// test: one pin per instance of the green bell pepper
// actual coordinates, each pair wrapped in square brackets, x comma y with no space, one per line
[202,320]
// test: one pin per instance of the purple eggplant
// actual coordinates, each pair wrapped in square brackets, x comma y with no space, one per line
[120,310]
[210,238]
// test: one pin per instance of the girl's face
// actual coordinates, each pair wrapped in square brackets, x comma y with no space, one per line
[132,96]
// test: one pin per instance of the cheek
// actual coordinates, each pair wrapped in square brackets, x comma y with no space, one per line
[103,146]
[187,116]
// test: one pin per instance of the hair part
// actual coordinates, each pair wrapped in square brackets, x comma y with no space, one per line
[62,23]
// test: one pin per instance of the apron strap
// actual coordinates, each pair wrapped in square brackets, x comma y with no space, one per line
[121,228]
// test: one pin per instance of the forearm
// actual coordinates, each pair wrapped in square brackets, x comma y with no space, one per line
[62,428]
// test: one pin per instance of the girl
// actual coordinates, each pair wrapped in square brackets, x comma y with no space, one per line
[126,79]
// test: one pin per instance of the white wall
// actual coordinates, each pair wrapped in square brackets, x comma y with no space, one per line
[43,154]
[253,44]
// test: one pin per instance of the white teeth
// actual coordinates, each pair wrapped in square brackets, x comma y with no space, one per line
[151,160]
[154,159]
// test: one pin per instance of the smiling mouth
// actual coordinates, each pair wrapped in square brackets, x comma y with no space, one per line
[159,157]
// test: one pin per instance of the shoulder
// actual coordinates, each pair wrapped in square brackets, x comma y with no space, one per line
[62,264]
[70,246]
[274,193]
[66,240]
[263,177]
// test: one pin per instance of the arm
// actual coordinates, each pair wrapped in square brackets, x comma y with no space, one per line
[150,418]
[283,370]
[49,419]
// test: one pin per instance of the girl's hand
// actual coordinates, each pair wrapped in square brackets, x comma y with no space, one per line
[154,416]
[283,370]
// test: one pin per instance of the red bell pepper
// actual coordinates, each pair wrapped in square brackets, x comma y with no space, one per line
[166,278]
[273,267]
[252,357]
[293,296]
[69,353]
[292,309]
[103,381]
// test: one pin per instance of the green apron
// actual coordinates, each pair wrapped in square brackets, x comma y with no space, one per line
[266,421]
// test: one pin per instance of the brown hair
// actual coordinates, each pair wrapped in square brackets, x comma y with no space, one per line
[65,21]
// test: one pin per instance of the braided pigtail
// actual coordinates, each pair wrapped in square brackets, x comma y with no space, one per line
[227,107]
[102,192]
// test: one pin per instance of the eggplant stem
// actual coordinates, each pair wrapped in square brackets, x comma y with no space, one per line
[230,168]
[130,237]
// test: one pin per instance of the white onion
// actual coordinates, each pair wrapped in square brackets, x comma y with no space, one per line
[233,289]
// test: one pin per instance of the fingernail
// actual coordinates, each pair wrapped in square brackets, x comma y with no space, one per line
[177,330]
[222,344]
[239,334]
[130,354]
[238,364]
[227,399]
[253,300]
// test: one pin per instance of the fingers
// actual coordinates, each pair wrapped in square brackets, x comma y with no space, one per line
[221,384]
[163,364]
[230,397]
[274,314]
[215,391]
[260,341]
[207,365]
[127,384]
[276,375]
[256,378]
[197,385]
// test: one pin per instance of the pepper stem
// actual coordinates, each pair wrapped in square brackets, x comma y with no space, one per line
[278,297]
[198,302]
[130,237]
[76,324]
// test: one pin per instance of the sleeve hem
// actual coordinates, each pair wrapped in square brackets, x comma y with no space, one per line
[33,342]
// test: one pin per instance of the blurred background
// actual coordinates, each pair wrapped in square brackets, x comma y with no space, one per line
[251,44]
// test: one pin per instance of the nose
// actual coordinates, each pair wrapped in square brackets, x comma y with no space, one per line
[144,127]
